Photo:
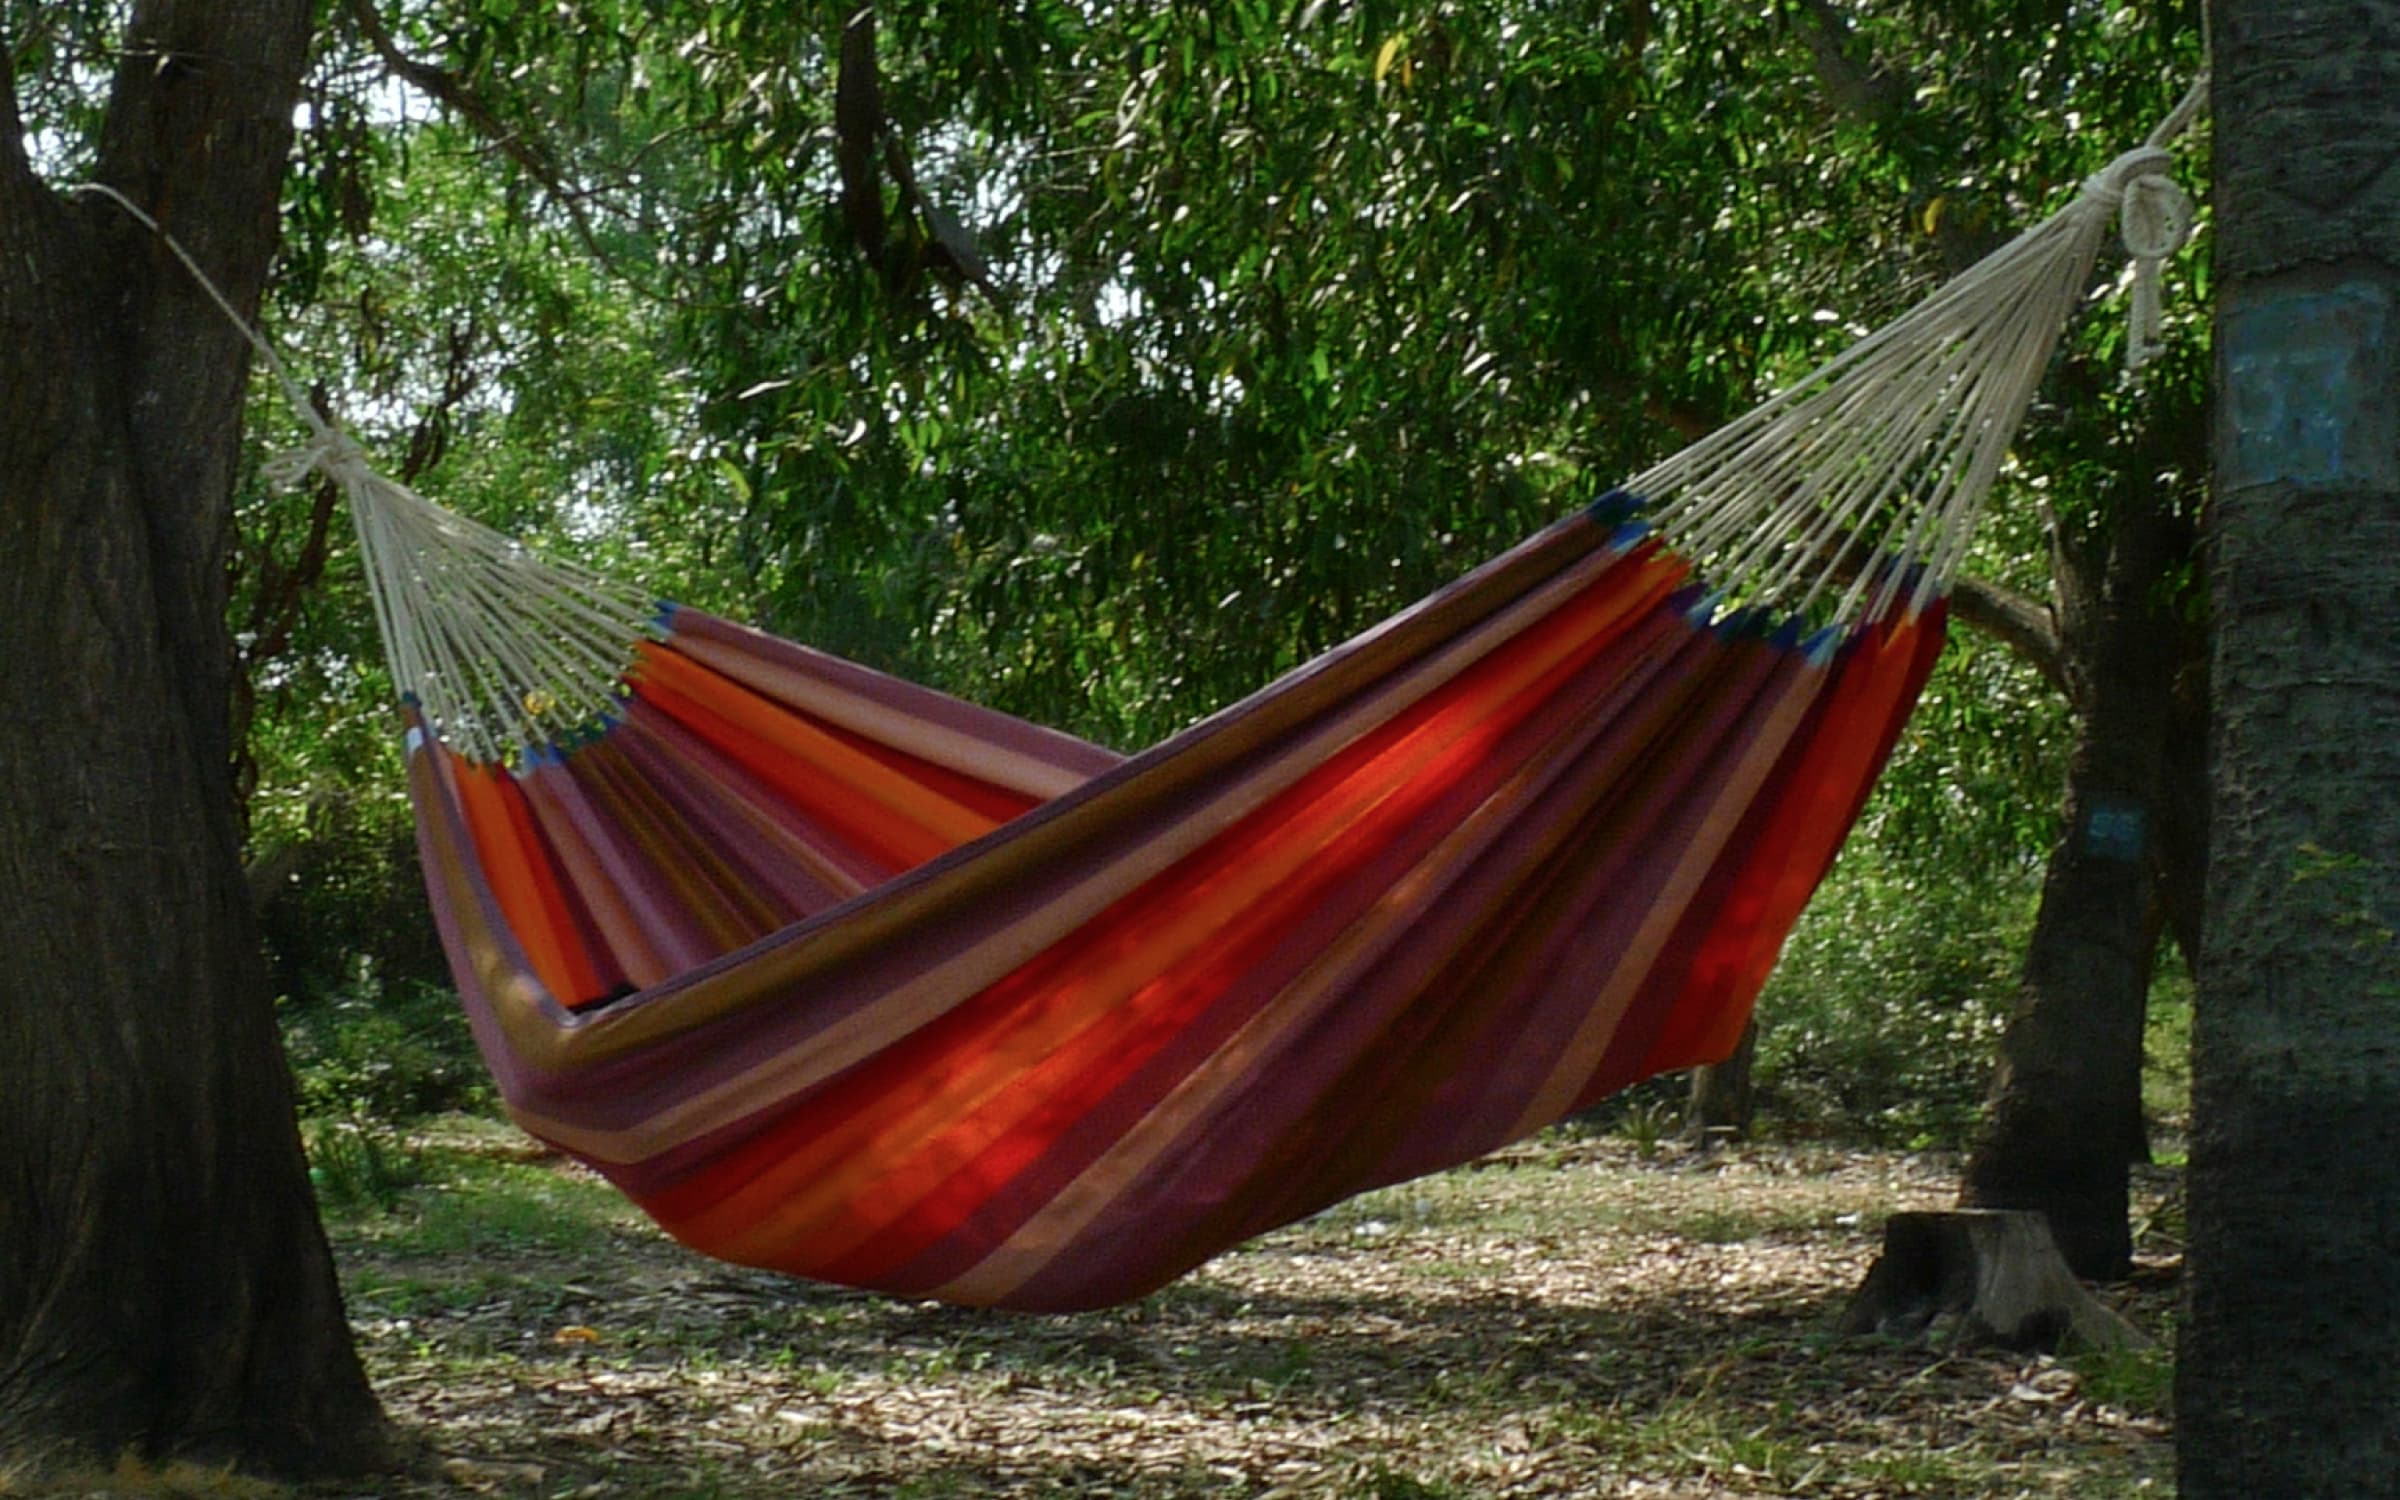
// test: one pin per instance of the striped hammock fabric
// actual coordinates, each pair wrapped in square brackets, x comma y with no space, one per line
[928,1000]
[842,977]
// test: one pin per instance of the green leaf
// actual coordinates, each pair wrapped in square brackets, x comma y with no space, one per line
[735,480]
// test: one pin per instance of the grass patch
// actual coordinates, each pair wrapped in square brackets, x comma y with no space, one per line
[1381,1483]
[461,1204]
[1924,1473]
[2133,1380]
[1718,1445]
[2167,1049]
[358,1165]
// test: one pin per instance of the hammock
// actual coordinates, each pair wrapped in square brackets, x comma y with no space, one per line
[846,978]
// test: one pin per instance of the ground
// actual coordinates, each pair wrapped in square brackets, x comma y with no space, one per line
[1584,1316]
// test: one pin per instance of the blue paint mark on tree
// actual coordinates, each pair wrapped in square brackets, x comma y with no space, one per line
[2306,378]
[2115,829]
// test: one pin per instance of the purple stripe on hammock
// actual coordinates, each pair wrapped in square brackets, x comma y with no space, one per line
[710,882]
[645,825]
[720,813]
[673,934]
[618,950]
[670,739]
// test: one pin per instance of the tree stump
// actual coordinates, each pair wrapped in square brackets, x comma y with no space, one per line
[1979,1276]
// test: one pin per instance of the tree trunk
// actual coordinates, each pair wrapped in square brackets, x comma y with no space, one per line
[2284,1386]
[1719,1108]
[2066,1113]
[165,1290]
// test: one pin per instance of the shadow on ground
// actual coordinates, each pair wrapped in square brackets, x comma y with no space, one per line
[1378,1353]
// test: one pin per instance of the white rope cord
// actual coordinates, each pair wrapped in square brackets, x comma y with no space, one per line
[1861,481]
[505,652]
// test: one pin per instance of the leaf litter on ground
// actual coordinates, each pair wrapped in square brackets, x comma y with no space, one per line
[1573,1317]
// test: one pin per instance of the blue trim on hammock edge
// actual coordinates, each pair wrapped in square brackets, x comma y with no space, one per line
[1619,512]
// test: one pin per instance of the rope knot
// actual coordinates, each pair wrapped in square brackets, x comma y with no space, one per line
[329,451]
[2154,217]
[2108,185]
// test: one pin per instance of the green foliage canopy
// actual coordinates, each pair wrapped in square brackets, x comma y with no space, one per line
[1100,362]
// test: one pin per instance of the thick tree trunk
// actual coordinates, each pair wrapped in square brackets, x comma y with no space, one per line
[165,1290]
[2284,1387]
[2066,1119]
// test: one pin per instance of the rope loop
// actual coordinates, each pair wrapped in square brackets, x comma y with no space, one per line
[2155,217]
[2154,220]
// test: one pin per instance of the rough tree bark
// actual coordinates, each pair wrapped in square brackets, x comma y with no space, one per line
[165,1289]
[2284,1386]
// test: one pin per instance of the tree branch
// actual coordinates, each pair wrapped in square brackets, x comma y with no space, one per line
[1857,84]
[2025,626]
[857,127]
[863,135]
[448,90]
[2015,621]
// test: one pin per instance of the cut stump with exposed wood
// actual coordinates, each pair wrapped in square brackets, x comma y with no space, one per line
[1979,1276]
